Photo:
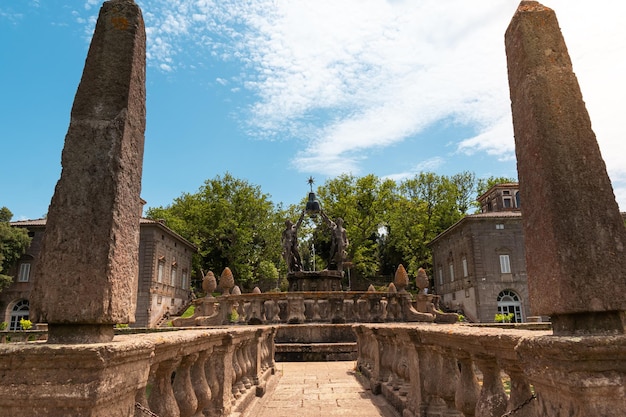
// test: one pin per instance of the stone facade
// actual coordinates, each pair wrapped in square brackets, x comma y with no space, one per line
[156,298]
[164,273]
[479,264]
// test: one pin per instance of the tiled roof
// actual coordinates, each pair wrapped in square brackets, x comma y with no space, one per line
[42,223]
[29,223]
[495,214]
[511,214]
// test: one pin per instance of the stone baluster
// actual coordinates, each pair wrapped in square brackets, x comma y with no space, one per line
[435,405]
[246,365]
[269,344]
[336,308]
[256,312]
[237,385]
[386,357]
[241,311]
[520,391]
[200,384]
[263,354]
[162,400]
[412,340]
[271,311]
[348,310]
[393,359]
[448,383]
[141,398]
[316,311]
[404,372]
[376,374]
[493,400]
[364,349]
[467,387]
[219,370]
[295,309]
[183,387]
[324,310]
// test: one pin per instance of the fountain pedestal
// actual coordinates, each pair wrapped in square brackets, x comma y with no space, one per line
[315,280]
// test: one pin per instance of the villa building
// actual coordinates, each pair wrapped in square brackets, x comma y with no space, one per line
[479,265]
[164,274]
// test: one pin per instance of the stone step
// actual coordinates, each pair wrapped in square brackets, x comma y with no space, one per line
[315,352]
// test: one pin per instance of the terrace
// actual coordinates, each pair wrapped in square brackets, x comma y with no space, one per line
[576,264]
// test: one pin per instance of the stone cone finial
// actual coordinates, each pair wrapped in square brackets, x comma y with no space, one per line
[401,279]
[421,280]
[392,288]
[227,281]
[209,283]
[236,290]
[256,290]
[371,288]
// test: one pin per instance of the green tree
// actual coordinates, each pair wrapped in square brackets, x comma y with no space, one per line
[425,206]
[13,243]
[465,190]
[266,275]
[233,224]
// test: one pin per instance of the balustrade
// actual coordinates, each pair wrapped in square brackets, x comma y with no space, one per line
[191,373]
[314,307]
[445,371]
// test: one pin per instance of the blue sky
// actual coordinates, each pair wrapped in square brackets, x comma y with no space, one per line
[274,91]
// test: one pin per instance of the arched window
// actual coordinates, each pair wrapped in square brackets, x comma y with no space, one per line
[20,311]
[509,302]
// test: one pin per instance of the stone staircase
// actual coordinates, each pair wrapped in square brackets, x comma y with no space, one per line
[315,342]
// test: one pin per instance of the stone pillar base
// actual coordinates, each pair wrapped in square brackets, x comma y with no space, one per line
[576,376]
[95,380]
[80,333]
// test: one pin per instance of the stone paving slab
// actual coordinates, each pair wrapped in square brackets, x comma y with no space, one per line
[318,389]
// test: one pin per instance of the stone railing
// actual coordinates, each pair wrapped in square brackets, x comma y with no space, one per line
[211,372]
[315,307]
[12,336]
[428,370]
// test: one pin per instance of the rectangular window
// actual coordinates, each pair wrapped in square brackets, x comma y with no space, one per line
[507,203]
[440,274]
[160,272]
[451,273]
[465,274]
[505,264]
[173,276]
[183,284]
[24,275]
[499,226]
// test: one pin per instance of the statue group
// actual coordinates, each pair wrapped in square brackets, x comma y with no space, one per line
[338,246]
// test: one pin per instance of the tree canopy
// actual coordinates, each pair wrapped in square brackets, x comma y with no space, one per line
[232,223]
[388,223]
[13,243]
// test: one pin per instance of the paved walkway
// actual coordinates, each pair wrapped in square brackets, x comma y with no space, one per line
[316,389]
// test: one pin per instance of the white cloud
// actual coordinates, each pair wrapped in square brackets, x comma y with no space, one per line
[352,76]
[428,165]
[91,3]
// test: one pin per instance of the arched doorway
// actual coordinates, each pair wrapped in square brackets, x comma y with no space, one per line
[19,311]
[509,302]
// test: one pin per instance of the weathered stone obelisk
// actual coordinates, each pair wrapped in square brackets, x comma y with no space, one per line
[574,235]
[88,270]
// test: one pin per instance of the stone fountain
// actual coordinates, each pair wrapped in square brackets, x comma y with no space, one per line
[328,279]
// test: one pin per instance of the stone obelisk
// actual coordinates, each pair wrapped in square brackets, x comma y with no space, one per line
[88,270]
[574,235]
